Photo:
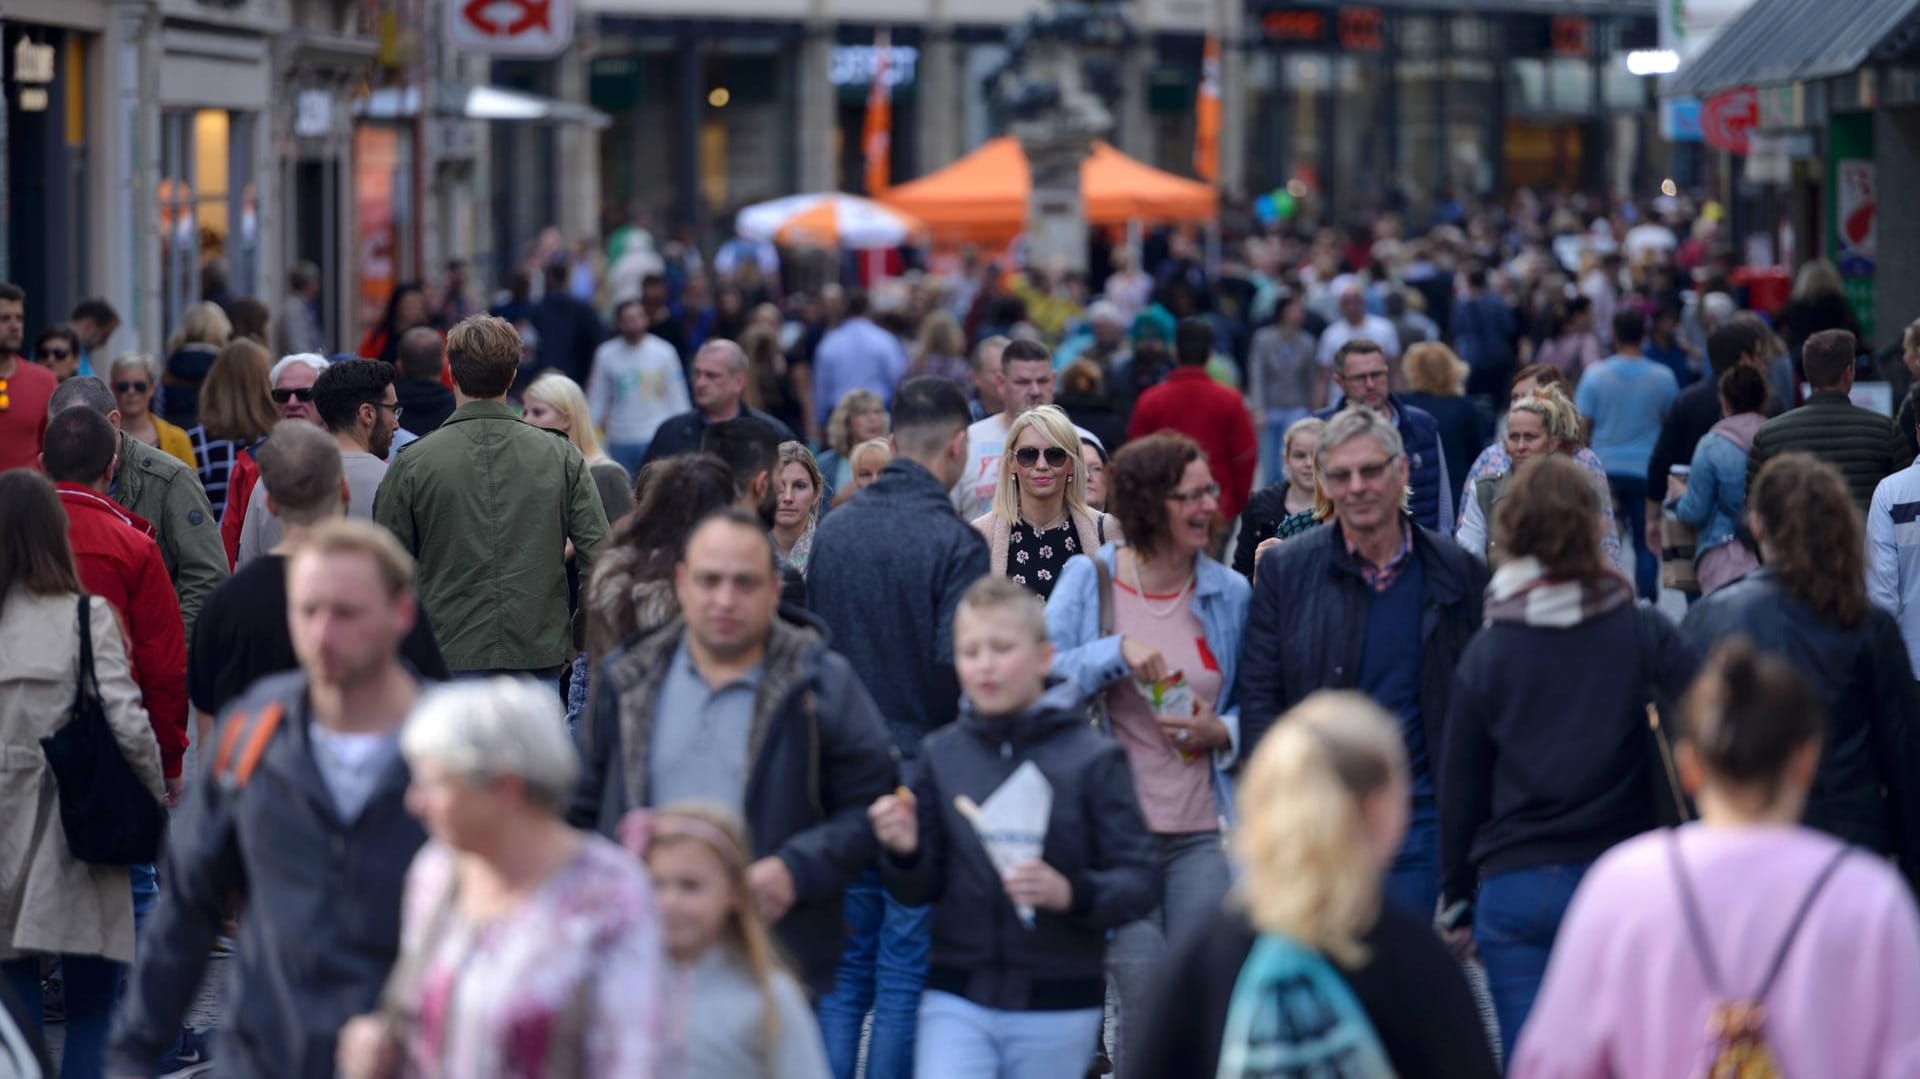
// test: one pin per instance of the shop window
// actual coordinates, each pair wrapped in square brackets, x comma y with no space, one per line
[1621,89]
[207,208]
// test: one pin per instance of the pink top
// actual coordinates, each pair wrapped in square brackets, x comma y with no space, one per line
[1176,795]
[1625,994]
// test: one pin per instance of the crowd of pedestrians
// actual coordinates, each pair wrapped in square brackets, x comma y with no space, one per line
[630,683]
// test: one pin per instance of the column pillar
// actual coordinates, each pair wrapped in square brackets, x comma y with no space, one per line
[579,182]
[1234,114]
[941,105]
[815,93]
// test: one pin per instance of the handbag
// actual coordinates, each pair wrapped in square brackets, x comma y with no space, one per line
[1673,808]
[109,816]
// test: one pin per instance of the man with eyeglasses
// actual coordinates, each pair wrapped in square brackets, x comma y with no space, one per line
[1377,603]
[1192,403]
[1360,369]
[356,402]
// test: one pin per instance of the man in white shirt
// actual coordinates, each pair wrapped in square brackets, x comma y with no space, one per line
[1025,382]
[636,385]
[355,400]
[1354,322]
[1893,550]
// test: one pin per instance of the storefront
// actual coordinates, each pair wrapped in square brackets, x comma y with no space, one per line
[1402,107]
[48,170]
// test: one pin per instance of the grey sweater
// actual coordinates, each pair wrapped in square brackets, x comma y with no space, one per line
[721,1012]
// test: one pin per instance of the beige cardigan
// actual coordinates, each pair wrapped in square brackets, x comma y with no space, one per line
[1091,527]
[49,900]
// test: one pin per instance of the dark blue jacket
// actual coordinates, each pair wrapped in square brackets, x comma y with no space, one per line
[682,434]
[320,925]
[1307,626]
[1432,505]
[887,572]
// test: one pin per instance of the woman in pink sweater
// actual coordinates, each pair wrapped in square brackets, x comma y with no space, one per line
[1669,926]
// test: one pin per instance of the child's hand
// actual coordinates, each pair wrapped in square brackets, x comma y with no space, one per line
[1036,884]
[896,822]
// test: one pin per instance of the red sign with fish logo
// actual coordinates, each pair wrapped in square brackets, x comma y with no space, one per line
[511,27]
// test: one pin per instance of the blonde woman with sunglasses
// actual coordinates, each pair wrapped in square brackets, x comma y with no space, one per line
[1040,516]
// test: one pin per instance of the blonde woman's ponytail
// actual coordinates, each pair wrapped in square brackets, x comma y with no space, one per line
[1308,870]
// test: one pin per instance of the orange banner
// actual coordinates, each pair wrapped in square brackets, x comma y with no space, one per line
[876,139]
[1206,126]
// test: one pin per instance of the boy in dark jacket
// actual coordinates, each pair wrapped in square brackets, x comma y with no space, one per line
[1017,981]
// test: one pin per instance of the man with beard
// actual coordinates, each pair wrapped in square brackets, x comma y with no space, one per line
[356,402]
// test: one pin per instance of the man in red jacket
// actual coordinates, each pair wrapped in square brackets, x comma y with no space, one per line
[1191,402]
[120,562]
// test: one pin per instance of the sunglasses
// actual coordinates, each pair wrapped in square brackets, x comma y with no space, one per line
[281,397]
[1028,456]
[130,387]
[56,354]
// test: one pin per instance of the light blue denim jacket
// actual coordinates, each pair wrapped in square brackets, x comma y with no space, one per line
[1716,490]
[1220,601]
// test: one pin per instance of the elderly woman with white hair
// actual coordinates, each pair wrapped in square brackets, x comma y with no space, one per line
[528,949]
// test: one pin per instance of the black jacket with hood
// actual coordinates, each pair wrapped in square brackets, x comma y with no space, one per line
[818,755]
[1096,838]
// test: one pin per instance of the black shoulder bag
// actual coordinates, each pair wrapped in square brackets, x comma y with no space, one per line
[109,816]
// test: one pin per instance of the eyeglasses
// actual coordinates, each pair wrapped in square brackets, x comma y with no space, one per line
[1028,456]
[1197,495]
[396,409]
[130,387]
[56,354]
[1340,477]
[281,397]
[1364,377]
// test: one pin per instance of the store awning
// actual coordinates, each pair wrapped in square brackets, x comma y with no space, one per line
[479,103]
[1783,41]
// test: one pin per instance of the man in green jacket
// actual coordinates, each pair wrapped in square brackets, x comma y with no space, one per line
[487,505]
[166,494]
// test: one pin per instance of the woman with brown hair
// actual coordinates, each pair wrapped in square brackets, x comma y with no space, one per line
[236,411]
[1808,604]
[51,903]
[1546,763]
[797,507]
[1162,660]
[941,349]
[631,593]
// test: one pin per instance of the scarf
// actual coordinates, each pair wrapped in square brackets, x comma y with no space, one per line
[1521,592]
[803,547]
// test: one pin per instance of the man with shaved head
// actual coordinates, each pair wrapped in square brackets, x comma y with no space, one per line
[719,394]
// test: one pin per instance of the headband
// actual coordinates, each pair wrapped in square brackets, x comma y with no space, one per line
[640,829]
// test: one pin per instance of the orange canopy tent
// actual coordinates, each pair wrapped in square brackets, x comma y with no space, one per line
[982,197]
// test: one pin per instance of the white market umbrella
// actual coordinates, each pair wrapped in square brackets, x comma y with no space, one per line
[827,220]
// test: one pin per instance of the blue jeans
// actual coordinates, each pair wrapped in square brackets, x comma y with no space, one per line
[92,984]
[1194,877]
[1413,882]
[629,454]
[882,970]
[1515,919]
[1630,508]
[962,1040]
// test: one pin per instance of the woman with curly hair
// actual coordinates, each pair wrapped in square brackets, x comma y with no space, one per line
[860,415]
[1808,605]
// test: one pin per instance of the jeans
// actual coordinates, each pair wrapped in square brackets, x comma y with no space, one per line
[1194,880]
[92,984]
[1273,439]
[882,970]
[577,683]
[629,454]
[1413,881]
[1515,920]
[1630,509]
[962,1040]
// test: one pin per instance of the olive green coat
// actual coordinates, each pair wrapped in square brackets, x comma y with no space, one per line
[486,505]
[155,485]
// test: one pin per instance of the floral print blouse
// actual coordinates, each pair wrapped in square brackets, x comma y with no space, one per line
[1035,558]
[567,986]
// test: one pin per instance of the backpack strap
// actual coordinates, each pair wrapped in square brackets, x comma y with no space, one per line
[1696,924]
[258,730]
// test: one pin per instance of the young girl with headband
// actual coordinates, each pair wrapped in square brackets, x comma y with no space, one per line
[740,1015]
